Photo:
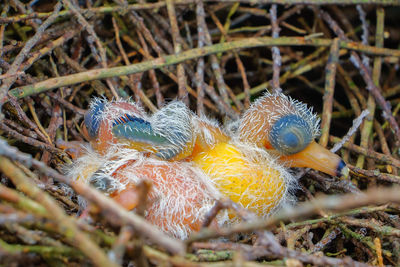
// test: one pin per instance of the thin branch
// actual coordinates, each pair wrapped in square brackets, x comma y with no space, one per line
[187,55]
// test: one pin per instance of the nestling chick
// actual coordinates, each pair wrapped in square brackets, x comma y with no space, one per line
[192,161]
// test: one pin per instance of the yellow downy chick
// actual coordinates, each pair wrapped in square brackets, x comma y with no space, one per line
[255,182]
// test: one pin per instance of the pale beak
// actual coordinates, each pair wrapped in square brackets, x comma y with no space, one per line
[319,158]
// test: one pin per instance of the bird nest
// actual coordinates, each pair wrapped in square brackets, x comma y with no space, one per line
[338,56]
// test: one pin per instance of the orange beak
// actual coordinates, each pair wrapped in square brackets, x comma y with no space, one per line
[319,158]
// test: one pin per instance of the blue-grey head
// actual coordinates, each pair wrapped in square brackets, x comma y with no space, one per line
[93,116]
[290,134]
[288,128]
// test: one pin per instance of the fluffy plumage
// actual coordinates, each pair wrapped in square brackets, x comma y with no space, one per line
[181,192]
[192,162]
[256,123]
